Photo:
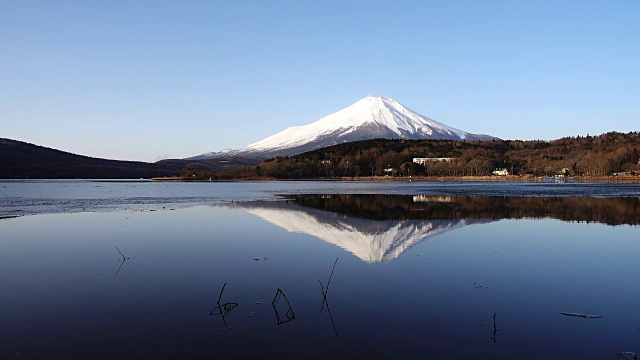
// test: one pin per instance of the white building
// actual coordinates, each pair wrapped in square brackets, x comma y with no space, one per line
[500,172]
[423,161]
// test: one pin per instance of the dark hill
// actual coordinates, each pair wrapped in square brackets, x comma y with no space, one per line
[20,160]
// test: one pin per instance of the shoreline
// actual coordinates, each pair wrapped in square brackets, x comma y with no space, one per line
[509,178]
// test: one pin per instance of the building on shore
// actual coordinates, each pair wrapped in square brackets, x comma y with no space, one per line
[423,161]
[500,172]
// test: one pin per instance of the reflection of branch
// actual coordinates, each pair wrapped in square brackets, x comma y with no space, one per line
[325,291]
[289,315]
[123,260]
[495,329]
[582,315]
[324,298]
[222,309]
[331,318]
[120,267]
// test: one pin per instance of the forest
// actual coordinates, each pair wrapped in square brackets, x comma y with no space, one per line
[601,155]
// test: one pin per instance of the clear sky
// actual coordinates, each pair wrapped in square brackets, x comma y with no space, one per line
[145,80]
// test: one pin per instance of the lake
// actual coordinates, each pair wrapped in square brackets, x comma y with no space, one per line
[315,270]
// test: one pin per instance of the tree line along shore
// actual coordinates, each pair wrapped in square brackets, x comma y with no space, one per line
[603,157]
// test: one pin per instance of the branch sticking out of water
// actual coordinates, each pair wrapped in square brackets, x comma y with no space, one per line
[495,329]
[123,260]
[331,275]
[221,291]
[289,315]
[581,315]
[123,257]
[223,309]
[324,297]
[326,290]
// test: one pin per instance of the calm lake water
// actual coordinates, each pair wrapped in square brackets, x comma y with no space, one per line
[248,270]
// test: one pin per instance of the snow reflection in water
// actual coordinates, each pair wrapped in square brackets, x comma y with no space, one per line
[381,227]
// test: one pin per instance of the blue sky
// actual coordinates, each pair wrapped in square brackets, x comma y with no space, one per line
[144,80]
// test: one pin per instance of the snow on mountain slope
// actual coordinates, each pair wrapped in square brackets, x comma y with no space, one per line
[367,114]
[369,118]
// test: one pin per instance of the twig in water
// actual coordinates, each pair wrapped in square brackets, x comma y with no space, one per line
[289,315]
[495,328]
[221,291]
[331,275]
[119,267]
[581,315]
[123,258]
[223,309]
[325,291]
[324,298]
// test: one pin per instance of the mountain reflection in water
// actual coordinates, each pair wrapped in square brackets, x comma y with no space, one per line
[379,228]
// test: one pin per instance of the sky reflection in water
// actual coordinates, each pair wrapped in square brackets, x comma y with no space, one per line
[412,286]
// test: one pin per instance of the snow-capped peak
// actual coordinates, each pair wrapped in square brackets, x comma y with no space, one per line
[388,113]
[369,118]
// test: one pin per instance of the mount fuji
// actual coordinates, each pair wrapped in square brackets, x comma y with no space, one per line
[369,118]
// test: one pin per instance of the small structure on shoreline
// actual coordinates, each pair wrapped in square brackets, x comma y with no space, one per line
[500,172]
[423,161]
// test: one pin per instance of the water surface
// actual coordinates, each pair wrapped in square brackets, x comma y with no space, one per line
[422,269]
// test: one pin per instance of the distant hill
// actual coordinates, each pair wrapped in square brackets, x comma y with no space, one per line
[21,160]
